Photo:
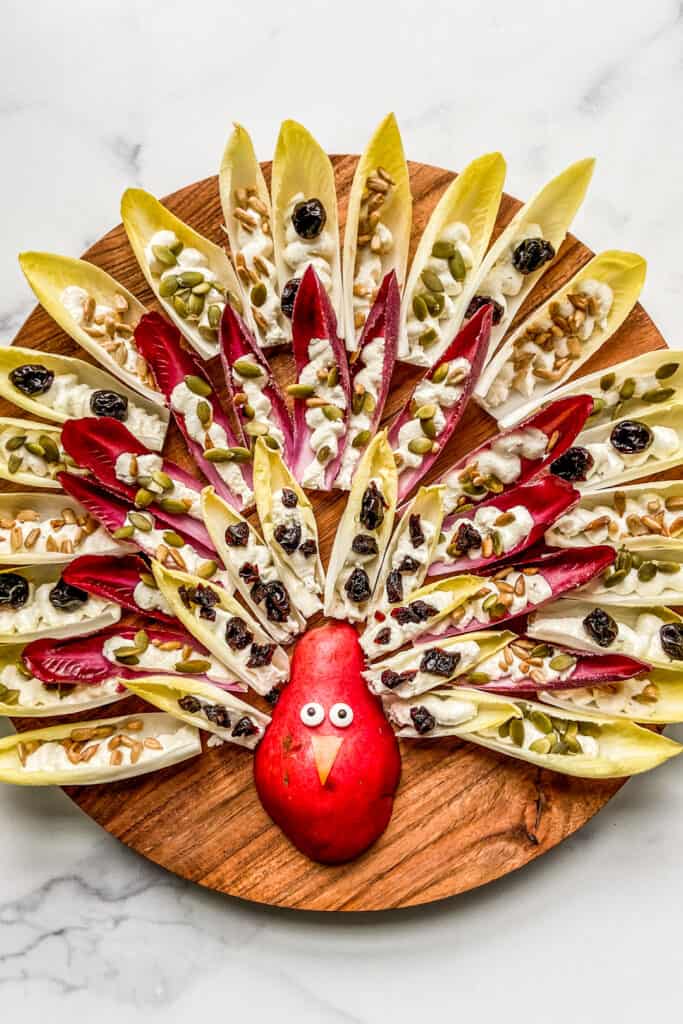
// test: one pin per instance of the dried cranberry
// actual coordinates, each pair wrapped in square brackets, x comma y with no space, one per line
[272,697]
[601,627]
[67,598]
[364,545]
[671,638]
[14,590]
[189,704]
[288,536]
[237,634]
[467,538]
[249,572]
[109,403]
[383,636]
[477,301]
[394,587]
[289,293]
[531,254]
[408,564]
[260,655]
[423,720]
[630,437]
[32,379]
[218,714]
[277,602]
[417,537]
[245,727]
[439,663]
[258,592]
[308,218]
[237,535]
[357,586]
[573,465]
[308,548]
[393,679]
[289,498]
[372,507]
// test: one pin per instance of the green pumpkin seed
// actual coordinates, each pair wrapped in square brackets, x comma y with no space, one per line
[193,666]
[272,443]
[435,302]
[370,403]
[190,278]
[331,412]
[214,313]
[489,602]
[218,455]
[420,308]
[431,280]
[517,732]
[235,301]
[503,729]
[206,570]
[456,265]
[195,305]
[656,395]
[614,578]
[627,389]
[624,560]
[301,390]
[202,289]
[236,454]
[559,747]
[561,662]
[258,294]
[172,505]
[11,698]
[173,539]
[208,333]
[599,404]
[497,542]
[204,413]
[540,650]
[148,579]
[426,412]
[248,411]
[647,572]
[254,428]
[443,250]
[180,306]
[479,678]
[573,746]
[541,721]
[440,373]
[589,729]
[428,337]
[162,479]
[15,442]
[141,521]
[163,254]
[542,745]
[607,382]
[143,497]
[50,447]
[123,532]
[357,403]
[636,559]
[141,640]
[323,454]
[668,568]
[361,439]
[168,286]
[127,655]
[197,385]
[666,370]
[333,377]
[248,369]
[420,445]
[35,448]
[429,428]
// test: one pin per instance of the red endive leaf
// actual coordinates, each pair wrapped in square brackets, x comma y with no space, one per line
[115,579]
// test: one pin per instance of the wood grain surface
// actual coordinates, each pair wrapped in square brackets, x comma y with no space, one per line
[463,815]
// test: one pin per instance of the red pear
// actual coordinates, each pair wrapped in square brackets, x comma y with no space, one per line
[328,766]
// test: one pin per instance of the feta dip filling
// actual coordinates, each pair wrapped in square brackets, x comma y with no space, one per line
[431,713]
[540,732]
[166,546]
[18,688]
[633,698]
[643,635]
[409,559]
[521,660]
[251,381]
[614,391]
[115,745]
[643,515]
[255,267]
[109,327]
[527,252]
[146,471]
[358,573]
[296,540]
[488,533]
[187,284]
[505,595]
[421,670]
[496,467]
[261,581]
[631,443]
[66,531]
[325,414]
[27,608]
[433,304]
[436,393]
[556,338]
[374,240]
[149,598]
[189,399]
[367,384]
[406,622]
[307,242]
[36,452]
[635,576]
[162,656]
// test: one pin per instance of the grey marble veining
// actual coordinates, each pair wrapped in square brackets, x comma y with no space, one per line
[102,95]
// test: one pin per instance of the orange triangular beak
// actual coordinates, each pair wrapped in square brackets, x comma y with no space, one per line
[325,750]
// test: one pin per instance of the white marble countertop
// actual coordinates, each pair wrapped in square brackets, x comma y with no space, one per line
[101,95]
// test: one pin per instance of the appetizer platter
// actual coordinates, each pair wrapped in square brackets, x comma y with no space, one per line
[339,567]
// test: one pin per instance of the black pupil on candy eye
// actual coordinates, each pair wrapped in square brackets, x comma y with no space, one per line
[311,711]
[341,713]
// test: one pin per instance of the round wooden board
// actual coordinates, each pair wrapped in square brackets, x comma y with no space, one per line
[463,816]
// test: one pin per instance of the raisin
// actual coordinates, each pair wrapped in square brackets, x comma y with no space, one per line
[601,627]
[218,714]
[207,613]
[417,537]
[67,598]
[237,634]
[32,379]
[272,697]
[422,611]
[260,655]
[277,602]
[408,564]
[573,465]
[237,535]
[190,704]
[245,727]
[203,596]
[308,548]
[357,586]
[394,587]
[630,437]
[467,538]
[14,590]
[364,545]
[531,254]
[258,592]
[249,572]
[288,536]
[372,507]
[289,498]
[384,636]
[289,293]
[439,663]
[671,638]
[393,679]
[109,403]
[423,721]
[477,301]
[308,218]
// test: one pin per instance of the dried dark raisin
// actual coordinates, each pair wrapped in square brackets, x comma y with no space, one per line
[260,655]
[258,592]
[67,598]
[393,679]
[477,301]
[439,663]
[601,627]
[573,465]
[207,613]
[372,507]
[362,544]
[630,437]
[245,727]
[394,587]
[421,611]
[272,697]
[289,293]
[383,636]
[277,602]
[32,379]
[531,254]
[203,596]
[237,535]
[408,564]
[308,218]
[308,548]
[249,572]
[190,704]
[671,638]
[185,594]
[218,714]
[288,536]
[423,720]
[357,586]
[417,537]
[14,590]
[237,634]
[289,498]
[467,538]
[109,403]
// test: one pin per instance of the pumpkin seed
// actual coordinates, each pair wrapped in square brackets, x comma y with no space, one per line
[168,286]
[589,729]
[624,560]
[258,294]
[370,403]
[148,579]
[479,678]
[428,428]
[540,651]
[11,698]
[50,447]
[656,395]
[162,479]
[666,370]
[361,439]
[195,305]
[130,658]
[204,413]
[428,337]
[180,306]
[141,640]
[573,746]
[247,368]
[435,302]
[504,729]
[426,412]
[541,721]
[616,577]
[561,662]
[333,377]
[173,539]
[668,568]
[301,390]
[218,455]
[248,411]
[431,280]
[647,572]
[143,497]
[357,403]
[489,602]
[35,448]
[443,250]
[599,404]
[172,505]
[541,746]
[163,254]
[420,445]
[420,308]
[206,570]
[256,429]
[627,389]
[272,443]
[141,522]
[193,666]
[202,289]
[456,265]
[15,442]
[197,385]
[497,542]
[123,532]
[440,373]
[190,278]
[323,454]
[517,732]
[607,382]
[214,313]
[559,747]
[208,333]
[331,412]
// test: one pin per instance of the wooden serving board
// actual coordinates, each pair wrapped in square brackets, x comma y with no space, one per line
[463,815]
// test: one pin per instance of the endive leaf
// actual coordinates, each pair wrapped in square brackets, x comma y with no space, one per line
[550,212]
[143,217]
[246,209]
[302,169]
[51,275]
[363,533]
[523,373]
[462,219]
[126,580]
[271,479]
[245,724]
[365,266]
[655,698]
[252,657]
[39,612]
[639,582]
[416,536]
[29,468]
[73,393]
[252,570]
[455,712]
[39,758]
[424,666]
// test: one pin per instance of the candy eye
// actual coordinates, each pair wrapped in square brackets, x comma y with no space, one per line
[341,715]
[312,714]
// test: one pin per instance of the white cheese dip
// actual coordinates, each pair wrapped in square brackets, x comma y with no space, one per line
[40,614]
[34,694]
[367,382]
[252,387]
[608,463]
[436,325]
[442,395]
[487,523]
[325,434]
[448,712]
[150,599]
[605,524]
[52,756]
[153,659]
[188,259]
[300,253]
[501,462]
